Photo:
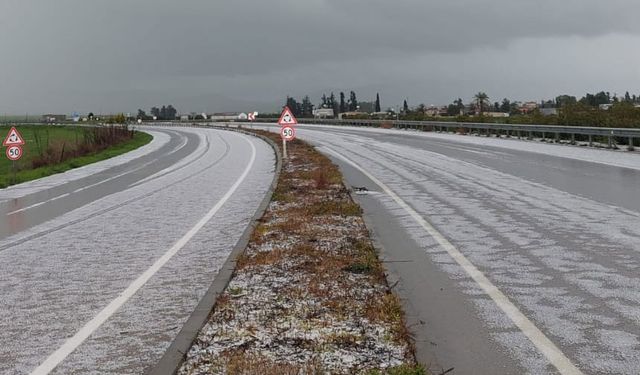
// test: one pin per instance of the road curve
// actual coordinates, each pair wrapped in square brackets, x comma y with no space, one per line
[100,271]
[554,231]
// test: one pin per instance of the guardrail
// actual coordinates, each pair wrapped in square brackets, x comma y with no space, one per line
[627,136]
[569,134]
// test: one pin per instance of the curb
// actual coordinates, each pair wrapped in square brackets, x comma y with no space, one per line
[173,357]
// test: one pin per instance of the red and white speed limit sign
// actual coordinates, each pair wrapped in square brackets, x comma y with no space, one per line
[288,133]
[14,152]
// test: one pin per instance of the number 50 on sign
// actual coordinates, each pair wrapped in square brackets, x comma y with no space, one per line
[14,153]
[288,133]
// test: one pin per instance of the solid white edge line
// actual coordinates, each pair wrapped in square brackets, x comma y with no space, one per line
[38,204]
[27,208]
[542,342]
[90,327]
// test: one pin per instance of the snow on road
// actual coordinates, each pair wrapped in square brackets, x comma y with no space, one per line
[58,275]
[569,263]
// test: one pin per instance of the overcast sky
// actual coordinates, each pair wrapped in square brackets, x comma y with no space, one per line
[211,55]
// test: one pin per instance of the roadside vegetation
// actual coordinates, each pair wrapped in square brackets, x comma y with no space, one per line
[55,149]
[601,109]
[619,115]
[309,295]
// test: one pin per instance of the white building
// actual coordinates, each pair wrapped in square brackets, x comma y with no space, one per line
[323,113]
[496,114]
[224,116]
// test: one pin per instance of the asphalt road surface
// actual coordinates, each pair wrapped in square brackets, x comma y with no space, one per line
[513,257]
[100,267]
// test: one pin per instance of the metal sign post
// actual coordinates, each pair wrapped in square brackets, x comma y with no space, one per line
[284,148]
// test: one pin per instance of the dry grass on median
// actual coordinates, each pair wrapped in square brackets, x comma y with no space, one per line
[309,295]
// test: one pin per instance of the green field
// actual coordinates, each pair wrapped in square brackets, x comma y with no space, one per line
[39,138]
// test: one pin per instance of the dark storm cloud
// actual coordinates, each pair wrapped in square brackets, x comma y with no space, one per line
[146,47]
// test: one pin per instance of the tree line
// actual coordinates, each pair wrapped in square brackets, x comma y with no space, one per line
[481,102]
[592,109]
[167,112]
[599,109]
[304,108]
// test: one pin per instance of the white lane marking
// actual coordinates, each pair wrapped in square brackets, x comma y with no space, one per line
[38,204]
[542,342]
[77,190]
[183,144]
[176,166]
[26,208]
[110,178]
[72,343]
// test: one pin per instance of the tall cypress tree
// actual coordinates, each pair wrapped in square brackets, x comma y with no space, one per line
[307,107]
[333,103]
[353,101]
[377,102]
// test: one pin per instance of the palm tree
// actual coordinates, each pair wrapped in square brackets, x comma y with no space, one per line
[482,100]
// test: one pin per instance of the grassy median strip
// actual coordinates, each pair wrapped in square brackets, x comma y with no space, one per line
[56,149]
[309,295]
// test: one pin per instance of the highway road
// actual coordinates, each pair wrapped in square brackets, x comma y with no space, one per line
[101,266]
[513,257]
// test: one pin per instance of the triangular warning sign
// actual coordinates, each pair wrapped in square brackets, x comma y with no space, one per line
[287,118]
[13,138]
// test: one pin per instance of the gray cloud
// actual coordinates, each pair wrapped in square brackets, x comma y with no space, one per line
[66,54]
